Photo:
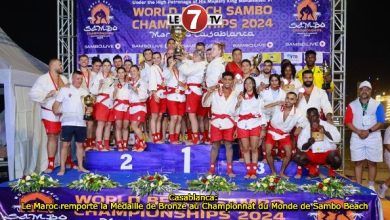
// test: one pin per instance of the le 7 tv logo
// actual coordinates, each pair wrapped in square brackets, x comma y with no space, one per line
[195,19]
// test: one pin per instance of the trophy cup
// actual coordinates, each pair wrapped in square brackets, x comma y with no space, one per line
[178,33]
[257,60]
[326,74]
[88,101]
[325,68]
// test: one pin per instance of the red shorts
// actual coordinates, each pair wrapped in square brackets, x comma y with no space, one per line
[318,158]
[52,127]
[120,115]
[242,133]
[218,134]
[102,113]
[155,107]
[193,102]
[203,111]
[138,116]
[282,142]
[176,108]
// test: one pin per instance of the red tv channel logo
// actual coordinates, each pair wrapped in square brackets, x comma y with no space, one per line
[195,19]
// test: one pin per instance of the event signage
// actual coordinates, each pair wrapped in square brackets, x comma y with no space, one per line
[284,29]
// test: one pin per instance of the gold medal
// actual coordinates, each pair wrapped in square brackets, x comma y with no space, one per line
[318,136]
[288,87]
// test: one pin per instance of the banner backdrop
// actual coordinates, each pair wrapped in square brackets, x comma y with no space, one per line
[279,29]
[12,204]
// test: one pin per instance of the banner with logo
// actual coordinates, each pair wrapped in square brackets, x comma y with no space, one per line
[282,29]
[117,204]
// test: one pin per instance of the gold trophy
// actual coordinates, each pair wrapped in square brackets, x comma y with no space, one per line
[325,68]
[327,76]
[318,135]
[178,33]
[257,60]
[88,101]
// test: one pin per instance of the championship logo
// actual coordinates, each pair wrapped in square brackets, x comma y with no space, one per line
[36,197]
[307,11]
[22,201]
[308,17]
[100,14]
[333,209]
[100,20]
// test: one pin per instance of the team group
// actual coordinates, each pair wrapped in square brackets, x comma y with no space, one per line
[285,114]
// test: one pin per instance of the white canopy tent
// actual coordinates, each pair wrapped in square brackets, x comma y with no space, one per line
[25,135]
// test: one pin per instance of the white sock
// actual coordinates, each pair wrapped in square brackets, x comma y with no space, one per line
[371,183]
[384,186]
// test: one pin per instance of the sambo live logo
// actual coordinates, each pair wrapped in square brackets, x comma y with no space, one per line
[100,20]
[194,19]
[307,17]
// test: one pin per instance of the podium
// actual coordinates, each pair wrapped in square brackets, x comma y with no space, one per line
[167,158]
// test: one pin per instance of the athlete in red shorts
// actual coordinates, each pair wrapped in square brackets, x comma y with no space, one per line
[251,125]
[223,105]
[194,73]
[158,98]
[137,111]
[44,91]
[318,142]
[103,87]
[284,118]
[175,99]
[120,108]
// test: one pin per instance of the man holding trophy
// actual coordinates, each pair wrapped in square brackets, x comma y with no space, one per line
[69,105]
[318,145]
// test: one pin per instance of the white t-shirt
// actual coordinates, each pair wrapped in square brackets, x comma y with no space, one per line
[72,108]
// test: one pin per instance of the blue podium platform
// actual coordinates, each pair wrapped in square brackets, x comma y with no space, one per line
[180,163]
[10,202]
[172,159]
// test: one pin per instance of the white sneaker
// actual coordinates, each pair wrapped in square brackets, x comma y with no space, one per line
[372,188]
[382,191]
